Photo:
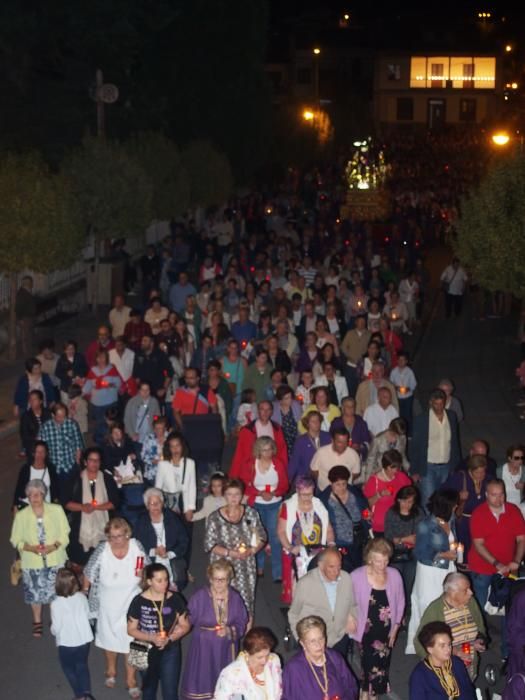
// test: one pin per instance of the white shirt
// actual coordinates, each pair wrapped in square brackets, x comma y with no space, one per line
[118,319]
[123,363]
[169,479]
[513,495]
[457,279]
[438,439]
[378,419]
[341,387]
[43,475]
[403,378]
[264,430]
[326,457]
[263,479]
[70,621]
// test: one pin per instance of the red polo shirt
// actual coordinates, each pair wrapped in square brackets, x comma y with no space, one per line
[184,401]
[499,536]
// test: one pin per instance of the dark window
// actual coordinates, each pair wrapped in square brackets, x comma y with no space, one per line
[304,76]
[467,110]
[393,71]
[405,109]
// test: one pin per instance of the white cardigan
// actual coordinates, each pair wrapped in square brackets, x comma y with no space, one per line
[173,478]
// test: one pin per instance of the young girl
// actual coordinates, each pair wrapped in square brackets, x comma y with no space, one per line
[214,499]
[248,409]
[306,384]
[158,616]
[70,625]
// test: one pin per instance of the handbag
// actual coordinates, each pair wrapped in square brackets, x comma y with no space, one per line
[139,654]
[401,554]
[15,572]
[179,570]
[499,595]
[360,534]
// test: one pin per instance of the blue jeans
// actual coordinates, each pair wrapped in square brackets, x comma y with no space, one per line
[163,666]
[74,662]
[433,480]
[101,428]
[269,514]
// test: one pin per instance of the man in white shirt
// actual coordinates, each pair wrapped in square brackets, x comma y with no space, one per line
[378,415]
[332,455]
[336,384]
[118,316]
[454,281]
[122,358]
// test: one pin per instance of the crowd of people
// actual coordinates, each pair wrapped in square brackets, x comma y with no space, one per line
[283,332]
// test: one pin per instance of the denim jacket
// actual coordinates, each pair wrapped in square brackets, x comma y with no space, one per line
[430,540]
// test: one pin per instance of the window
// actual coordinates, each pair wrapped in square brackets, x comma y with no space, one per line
[418,72]
[393,71]
[405,109]
[467,110]
[468,75]
[437,73]
[464,72]
[304,76]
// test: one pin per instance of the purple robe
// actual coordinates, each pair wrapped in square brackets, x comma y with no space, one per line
[299,682]
[302,454]
[516,634]
[209,654]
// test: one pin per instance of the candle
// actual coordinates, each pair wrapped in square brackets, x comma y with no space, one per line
[268,488]
[93,501]
[391,489]
[403,389]
[453,546]
[242,548]
[460,553]
[394,316]
[350,443]
[139,565]
[360,303]
[300,398]
[244,343]
[365,513]
[466,648]
[227,375]
[218,628]
[163,634]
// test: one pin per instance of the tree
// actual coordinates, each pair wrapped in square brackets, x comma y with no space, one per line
[209,172]
[491,230]
[112,191]
[160,159]
[40,226]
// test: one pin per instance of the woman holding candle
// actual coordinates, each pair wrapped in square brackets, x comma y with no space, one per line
[219,618]
[303,529]
[393,438]
[235,532]
[372,355]
[321,403]
[40,533]
[317,672]
[256,673]
[435,553]
[176,476]
[441,674]
[381,488]
[378,589]
[158,616]
[112,579]
[101,386]
[92,497]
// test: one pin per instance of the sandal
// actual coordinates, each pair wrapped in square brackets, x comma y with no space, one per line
[134,693]
[37,630]
[110,681]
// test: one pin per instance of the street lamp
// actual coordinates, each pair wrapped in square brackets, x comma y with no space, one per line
[308,115]
[500,138]
[316,52]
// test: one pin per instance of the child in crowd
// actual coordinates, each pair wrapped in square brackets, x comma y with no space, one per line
[214,499]
[70,625]
[306,384]
[247,411]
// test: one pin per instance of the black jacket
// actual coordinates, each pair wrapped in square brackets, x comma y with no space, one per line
[176,535]
[29,429]
[23,478]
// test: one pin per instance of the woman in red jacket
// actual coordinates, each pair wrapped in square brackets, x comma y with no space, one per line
[266,481]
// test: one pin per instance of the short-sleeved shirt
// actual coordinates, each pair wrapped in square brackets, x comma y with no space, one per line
[184,401]
[143,610]
[498,535]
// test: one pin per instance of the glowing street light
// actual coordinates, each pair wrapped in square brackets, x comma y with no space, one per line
[500,138]
[508,48]
[308,115]
[317,51]
[346,17]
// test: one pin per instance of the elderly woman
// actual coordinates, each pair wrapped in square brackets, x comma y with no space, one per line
[219,618]
[112,577]
[153,447]
[40,533]
[176,476]
[358,434]
[317,671]
[39,467]
[401,522]
[256,673]
[303,529]
[459,609]
[321,403]
[235,532]
[307,445]
[93,495]
[164,537]
[382,487]
[435,553]
[393,438]
[378,590]
[286,413]
[266,482]
[346,504]
[101,387]
[471,485]
[158,616]
[441,674]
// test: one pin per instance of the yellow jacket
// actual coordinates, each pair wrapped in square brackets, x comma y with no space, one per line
[25,531]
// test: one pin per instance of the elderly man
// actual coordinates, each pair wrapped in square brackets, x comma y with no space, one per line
[378,416]
[327,591]
[479,448]
[367,390]
[435,449]
[459,609]
[64,441]
[336,453]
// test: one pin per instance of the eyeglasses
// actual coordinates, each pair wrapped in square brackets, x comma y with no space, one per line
[517,456]
[221,579]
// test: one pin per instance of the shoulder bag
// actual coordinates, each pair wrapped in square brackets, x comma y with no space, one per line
[139,654]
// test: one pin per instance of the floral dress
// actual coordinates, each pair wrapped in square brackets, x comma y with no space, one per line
[375,651]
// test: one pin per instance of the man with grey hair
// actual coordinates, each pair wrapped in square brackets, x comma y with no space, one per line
[327,591]
[459,609]
[452,402]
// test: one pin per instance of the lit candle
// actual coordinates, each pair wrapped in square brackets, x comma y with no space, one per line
[466,648]
[366,514]
[244,343]
[403,389]
[94,501]
[163,634]
[139,565]
[227,375]
[394,316]
[350,443]
[359,303]
[242,548]
[300,398]
[453,546]
[460,553]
